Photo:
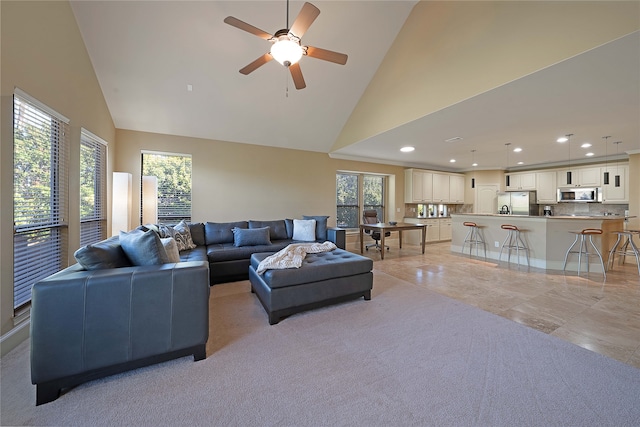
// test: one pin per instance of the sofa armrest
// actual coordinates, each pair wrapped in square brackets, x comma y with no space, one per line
[337,236]
[86,320]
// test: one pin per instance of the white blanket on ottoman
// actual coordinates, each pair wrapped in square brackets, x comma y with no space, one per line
[292,255]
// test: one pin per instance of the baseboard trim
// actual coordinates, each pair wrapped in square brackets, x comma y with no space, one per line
[14,337]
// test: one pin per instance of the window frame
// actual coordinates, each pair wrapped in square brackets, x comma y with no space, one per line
[45,234]
[93,228]
[361,206]
[163,218]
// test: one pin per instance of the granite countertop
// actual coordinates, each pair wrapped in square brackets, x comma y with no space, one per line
[601,217]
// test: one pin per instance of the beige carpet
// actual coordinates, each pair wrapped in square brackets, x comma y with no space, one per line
[407,357]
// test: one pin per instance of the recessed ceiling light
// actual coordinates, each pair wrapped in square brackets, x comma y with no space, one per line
[474,164]
[585,145]
[517,150]
[189,88]
[589,154]
[521,163]
[452,161]
[562,139]
[407,149]
[455,138]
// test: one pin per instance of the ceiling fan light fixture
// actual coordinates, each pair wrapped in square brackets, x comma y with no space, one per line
[286,51]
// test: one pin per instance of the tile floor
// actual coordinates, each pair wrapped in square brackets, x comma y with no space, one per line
[602,316]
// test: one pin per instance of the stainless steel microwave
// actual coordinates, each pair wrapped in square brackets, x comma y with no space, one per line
[579,195]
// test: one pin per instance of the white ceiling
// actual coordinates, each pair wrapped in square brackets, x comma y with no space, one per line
[145,53]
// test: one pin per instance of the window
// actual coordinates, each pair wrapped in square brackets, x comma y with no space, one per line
[174,184]
[353,187]
[93,177]
[40,147]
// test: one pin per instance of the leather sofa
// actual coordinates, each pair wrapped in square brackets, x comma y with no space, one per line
[89,324]
[229,262]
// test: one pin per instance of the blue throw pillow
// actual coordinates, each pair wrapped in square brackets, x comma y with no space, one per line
[143,247]
[321,226]
[102,255]
[251,236]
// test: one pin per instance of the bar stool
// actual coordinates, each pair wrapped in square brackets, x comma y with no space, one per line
[513,241]
[473,238]
[584,236]
[624,250]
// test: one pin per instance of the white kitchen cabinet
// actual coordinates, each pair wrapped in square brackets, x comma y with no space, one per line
[456,189]
[441,189]
[546,187]
[418,186]
[445,229]
[521,181]
[433,229]
[611,193]
[580,177]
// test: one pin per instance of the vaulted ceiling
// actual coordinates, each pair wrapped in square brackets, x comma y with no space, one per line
[172,68]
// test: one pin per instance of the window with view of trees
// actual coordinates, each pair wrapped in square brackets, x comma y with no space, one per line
[174,184]
[351,188]
[93,176]
[40,147]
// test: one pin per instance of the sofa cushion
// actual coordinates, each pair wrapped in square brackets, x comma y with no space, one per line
[143,247]
[321,226]
[251,236]
[197,233]
[102,255]
[171,248]
[277,228]
[304,230]
[229,252]
[199,253]
[221,232]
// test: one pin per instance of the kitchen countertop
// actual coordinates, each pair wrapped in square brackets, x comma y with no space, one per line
[601,217]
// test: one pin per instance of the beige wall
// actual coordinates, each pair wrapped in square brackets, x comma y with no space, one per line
[449,51]
[50,63]
[241,181]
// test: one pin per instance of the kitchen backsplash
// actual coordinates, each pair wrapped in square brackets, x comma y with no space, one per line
[562,209]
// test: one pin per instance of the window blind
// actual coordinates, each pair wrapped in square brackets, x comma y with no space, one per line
[93,178]
[174,184]
[40,150]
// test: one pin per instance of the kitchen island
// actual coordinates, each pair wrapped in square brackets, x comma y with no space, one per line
[547,238]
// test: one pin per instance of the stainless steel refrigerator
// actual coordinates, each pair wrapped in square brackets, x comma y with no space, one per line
[518,203]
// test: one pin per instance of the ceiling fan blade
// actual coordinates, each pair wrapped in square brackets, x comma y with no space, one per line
[305,18]
[327,55]
[296,74]
[235,22]
[256,64]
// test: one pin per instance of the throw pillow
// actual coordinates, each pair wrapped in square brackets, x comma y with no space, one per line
[143,247]
[197,233]
[216,233]
[164,230]
[171,248]
[251,236]
[304,230]
[321,226]
[182,235]
[102,255]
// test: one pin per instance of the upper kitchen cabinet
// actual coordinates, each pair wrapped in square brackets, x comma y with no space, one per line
[546,186]
[456,188]
[418,186]
[580,177]
[520,181]
[611,193]
[441,189]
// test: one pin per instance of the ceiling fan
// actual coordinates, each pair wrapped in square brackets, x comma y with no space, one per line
[286,48]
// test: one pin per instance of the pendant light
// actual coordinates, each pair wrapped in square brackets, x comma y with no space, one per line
[605,179]
[616,179]
[569,135]
[473,164]
[508,180]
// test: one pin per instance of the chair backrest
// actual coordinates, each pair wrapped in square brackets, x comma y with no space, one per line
[370,216]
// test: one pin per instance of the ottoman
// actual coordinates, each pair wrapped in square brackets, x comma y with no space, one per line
[322,279]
